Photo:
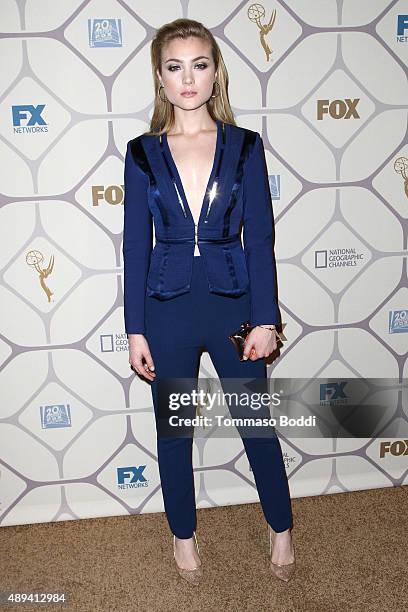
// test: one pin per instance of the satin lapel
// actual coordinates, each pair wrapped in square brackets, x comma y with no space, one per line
[243,143]
[143,154]
[158,164]
[226,169]
[238,142]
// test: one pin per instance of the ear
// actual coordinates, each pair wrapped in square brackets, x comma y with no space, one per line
[158,76]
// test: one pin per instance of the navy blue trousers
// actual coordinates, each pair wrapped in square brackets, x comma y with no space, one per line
[177,331]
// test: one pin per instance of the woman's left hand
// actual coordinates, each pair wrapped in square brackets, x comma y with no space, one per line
[260,342]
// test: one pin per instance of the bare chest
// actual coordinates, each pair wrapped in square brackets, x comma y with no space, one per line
[194,159]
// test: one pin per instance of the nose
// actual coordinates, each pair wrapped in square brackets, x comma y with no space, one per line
[188,77]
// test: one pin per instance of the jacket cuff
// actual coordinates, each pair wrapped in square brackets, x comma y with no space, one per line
[274,319]
[140,330]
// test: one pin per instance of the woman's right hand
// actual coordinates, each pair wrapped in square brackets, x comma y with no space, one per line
[140,358]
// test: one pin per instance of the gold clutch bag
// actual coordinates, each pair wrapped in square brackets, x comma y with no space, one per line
[238,338]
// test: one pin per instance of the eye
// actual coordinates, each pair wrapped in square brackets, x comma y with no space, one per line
[201,66]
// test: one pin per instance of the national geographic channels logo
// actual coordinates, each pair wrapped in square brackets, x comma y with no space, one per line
[338,258]
[111,343]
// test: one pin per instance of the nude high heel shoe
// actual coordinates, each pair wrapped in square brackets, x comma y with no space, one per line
[280,570]
[194,575]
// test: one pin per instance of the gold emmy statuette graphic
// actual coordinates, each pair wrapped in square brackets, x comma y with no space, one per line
[35,259]
[401,167]
[255,13]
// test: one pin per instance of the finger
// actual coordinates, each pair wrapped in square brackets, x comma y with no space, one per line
[139,366]
[143,365]
[147,373]
[144,372]
[247,352]
[149,361]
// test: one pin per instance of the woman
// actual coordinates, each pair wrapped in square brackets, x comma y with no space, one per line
[198,175]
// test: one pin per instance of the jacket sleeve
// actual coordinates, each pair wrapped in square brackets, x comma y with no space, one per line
[258,238]
[137,244]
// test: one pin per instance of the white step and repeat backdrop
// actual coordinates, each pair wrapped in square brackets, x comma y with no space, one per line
[326,87]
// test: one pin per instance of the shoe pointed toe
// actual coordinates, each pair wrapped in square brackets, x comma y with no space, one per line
[282,571]
[195,574]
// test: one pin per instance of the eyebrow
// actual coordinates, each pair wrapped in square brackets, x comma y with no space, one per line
[173,59]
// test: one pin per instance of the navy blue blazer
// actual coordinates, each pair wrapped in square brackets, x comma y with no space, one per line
[237,196]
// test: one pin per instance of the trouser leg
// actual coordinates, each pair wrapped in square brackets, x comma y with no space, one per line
[176,330]
[264,453]
[175,353]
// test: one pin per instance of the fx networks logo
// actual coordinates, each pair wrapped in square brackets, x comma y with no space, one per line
[55,415]
[338,109]
[28,118]
[105,32]
[398,448]
[111,343]
[113,194]
[131,477]
[398,321]
[402,26]
[274,186]
[332,393]
[337,258]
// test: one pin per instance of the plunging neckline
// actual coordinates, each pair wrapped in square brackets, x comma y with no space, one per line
[210,178]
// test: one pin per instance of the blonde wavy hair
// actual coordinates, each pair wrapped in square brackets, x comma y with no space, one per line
[218,107]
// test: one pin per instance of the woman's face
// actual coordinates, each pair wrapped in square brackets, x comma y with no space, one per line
[187,66]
